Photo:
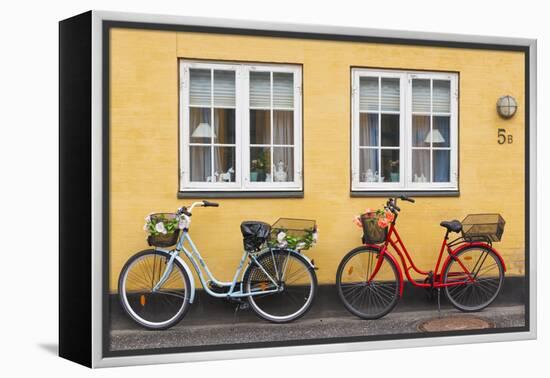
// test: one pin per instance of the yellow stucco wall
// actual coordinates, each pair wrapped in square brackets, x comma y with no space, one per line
[144,145]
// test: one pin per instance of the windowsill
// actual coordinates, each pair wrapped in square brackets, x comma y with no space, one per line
[410,193]
[240,194]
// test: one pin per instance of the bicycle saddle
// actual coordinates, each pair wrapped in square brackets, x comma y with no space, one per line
[454,225]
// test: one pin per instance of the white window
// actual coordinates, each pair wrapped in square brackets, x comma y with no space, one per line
[404,131]
[240,127]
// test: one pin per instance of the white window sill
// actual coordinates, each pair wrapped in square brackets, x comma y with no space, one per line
[241,194]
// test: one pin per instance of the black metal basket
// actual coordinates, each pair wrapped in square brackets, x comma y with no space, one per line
[294,227]
[372,232]
[163,240]
[483,226]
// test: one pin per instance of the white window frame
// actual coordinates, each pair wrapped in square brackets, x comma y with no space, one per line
[242,128]
[405,130]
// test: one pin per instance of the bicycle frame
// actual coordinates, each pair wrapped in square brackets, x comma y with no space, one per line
[394,240]
[197,261]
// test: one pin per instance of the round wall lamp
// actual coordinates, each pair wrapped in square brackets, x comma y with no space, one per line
[507,106]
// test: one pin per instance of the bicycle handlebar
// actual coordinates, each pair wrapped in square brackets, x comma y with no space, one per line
[189,211]
[392,203]
[408,199]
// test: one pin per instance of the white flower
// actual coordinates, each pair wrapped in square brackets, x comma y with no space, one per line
[145,228]
[148,218]
[300,245]
[315,237]
[160,228]
[183,223]
[281,237]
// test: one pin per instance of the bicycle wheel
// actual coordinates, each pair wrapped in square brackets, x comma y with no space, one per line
[367,300]
[485,267]
[158,309]
[297,283]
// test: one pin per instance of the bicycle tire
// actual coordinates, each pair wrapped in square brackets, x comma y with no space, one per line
[125,301]
[452,292]
[267,260]
[394,292]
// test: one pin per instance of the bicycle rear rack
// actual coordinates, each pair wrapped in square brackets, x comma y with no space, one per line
[471,239]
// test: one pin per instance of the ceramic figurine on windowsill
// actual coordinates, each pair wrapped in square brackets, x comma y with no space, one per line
[373,176]
[279,174]
[421,178]
[226,177]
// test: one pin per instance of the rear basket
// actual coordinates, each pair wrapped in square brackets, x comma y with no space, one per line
[483,226]
[298,228]
[372,232]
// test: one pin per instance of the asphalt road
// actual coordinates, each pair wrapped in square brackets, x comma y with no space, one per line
[246,328]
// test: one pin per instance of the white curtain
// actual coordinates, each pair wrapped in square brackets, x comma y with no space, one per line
[283,133]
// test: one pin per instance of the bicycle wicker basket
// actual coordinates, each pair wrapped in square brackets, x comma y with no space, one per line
[294,227]
[163,240]
[483,226]
[372,232]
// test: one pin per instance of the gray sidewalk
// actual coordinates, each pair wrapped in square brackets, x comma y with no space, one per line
[245,327]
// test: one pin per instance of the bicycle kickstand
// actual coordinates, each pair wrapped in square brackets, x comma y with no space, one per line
[439,302]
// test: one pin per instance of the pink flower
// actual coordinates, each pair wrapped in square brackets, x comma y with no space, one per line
[382,222]
[357,221]
[370,212]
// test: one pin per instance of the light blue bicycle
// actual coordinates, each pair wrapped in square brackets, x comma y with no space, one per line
[156,286]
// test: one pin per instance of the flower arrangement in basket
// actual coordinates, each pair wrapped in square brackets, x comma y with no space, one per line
[163,228]
[285,239]
[374,224]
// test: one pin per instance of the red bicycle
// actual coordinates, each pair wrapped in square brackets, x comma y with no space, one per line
[370,279]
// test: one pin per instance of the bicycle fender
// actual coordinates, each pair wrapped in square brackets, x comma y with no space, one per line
[474,244]
[300,255]
[191,279]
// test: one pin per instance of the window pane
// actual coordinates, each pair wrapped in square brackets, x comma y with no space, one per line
[390,130]
[421,165]
[421,131]
[283,161]
[390,165]
[368,165]
[200,163]
[201,129]
[283,90]
[442,163]
[200,87]
[390,94]
[260,126]
[224,126]
[260,89]
[224,88]
[283,127]
[368,129]
[441,136]
[442,96]
[260,164]
[421,95]
[368,93]
[224,164]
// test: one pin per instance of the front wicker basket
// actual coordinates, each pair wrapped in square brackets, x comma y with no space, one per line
[372,232]
[163,240]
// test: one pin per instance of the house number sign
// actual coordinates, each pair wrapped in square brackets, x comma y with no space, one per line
[504,138]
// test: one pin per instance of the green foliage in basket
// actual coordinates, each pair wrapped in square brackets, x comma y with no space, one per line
[160,224]
[284,240]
